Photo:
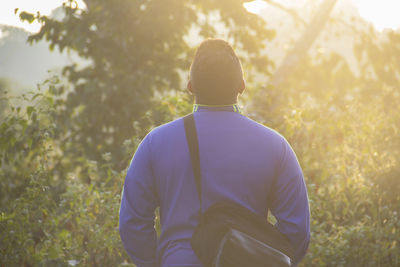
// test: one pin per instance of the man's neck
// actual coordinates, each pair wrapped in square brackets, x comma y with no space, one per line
[203,102]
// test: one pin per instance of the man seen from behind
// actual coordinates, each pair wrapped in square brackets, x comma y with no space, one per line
[240,160]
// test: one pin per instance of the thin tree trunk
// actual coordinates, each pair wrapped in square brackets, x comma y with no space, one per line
[304,43]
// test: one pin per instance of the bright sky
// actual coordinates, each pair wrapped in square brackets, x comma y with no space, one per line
[45,7]
[383,13]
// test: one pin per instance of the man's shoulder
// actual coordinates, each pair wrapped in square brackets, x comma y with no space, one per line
[263,129]
[169,128]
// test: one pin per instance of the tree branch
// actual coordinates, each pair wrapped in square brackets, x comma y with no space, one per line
[304,43]
[292,12]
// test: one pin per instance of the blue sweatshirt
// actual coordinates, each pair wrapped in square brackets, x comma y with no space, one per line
[240,160]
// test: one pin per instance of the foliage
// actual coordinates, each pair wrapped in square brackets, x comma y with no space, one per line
[345,131]
[135,48]
[47,218]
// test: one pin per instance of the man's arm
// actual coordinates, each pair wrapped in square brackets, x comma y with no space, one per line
[138,203]
[290,203]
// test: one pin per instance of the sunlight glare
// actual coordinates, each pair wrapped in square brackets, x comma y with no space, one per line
[383,14]
[255,7]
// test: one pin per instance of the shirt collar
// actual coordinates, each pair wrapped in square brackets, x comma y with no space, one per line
[230,108]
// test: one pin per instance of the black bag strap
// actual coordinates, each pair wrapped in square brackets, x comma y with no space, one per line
[193,144]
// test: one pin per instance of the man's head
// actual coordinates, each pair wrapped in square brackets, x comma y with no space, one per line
[216,76]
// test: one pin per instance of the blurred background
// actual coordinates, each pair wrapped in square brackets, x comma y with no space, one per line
[82,82]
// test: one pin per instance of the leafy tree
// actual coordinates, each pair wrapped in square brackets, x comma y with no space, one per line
[48,215]
[136,49]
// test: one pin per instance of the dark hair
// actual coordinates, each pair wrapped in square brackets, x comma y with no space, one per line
[216,72]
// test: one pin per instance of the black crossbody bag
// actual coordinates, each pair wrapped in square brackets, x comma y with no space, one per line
[230,235]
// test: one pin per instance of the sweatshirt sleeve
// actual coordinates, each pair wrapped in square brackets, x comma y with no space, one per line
[138,203]
[290,203]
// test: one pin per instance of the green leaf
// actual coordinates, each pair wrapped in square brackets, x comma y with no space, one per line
[36,95]
[52,252]
[29,110]
[29,141]
[25,16]
[51,100]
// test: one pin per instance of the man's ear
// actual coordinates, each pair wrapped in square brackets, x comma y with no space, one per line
[242,86]
[189,87]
